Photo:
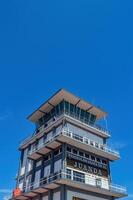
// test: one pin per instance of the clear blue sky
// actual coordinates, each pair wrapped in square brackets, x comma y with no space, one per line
[85,46]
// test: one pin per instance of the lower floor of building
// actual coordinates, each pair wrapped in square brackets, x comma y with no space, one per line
[64,192]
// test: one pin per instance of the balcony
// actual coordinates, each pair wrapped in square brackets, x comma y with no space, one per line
[95,128]
[55,180]
[89,145]
[66,136]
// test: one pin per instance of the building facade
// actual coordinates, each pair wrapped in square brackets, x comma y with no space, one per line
[67,158]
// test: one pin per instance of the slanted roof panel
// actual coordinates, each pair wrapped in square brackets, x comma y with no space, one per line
[58,97]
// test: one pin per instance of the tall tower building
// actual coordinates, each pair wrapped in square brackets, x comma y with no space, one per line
[67,158]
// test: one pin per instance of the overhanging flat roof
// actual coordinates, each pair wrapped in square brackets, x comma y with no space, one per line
[65,95]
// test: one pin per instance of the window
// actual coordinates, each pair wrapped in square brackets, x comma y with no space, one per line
[66,107]
[40,121]
[87,155]
[87,116]
[104,162]
[69,149]
[92,119]
[47,157]
[40,142]
[38,163]
[56,152]
[80,177]
[20,185]
[81,153]
[28,182]
[72,108]
[75,151]
[77,112]
[47,171]
[37,179]
[57,166]
[29,165]
[61,106]
[98,160]
[57,109]
[82,115]
[52,112]
[49,136]
[92,158]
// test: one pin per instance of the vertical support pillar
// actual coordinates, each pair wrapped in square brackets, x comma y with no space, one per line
[63,192]
[50,195]
[52,161]
[63,158]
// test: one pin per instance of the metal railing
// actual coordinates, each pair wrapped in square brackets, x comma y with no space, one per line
[78,138]
[89,123]
[49,123]
[89,142]
[87,180]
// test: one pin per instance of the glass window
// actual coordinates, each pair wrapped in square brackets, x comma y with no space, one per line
[72,108]
[82,115]
[57,166]
[92,158]
[38,163]
[104,162]
[28,182]
[61,106]
[98,160]
[87,116]
[77,112]
[92,119]
[47,171]
[53,112]
[37,179]
[29,165]
[81,153]
[69,149]
[56,152]
[75,151]
[47,157]
[87,155]
[66,107]
[20,185]
[57,109]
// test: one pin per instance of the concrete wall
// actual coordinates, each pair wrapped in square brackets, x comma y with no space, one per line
[85,196]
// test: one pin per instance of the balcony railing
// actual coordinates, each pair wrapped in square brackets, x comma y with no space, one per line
[90,124]
[50,122]
[78,138]
[74,178]
[89,142]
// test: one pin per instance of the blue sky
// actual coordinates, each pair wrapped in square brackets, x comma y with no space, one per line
[84,46]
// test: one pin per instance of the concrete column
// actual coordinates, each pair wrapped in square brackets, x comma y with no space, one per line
[50,195]
[52,161]
[63,193]
[63,156]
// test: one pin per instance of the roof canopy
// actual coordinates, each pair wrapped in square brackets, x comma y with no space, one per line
[58,97]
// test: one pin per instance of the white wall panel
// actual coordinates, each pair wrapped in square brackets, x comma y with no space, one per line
[56,196]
